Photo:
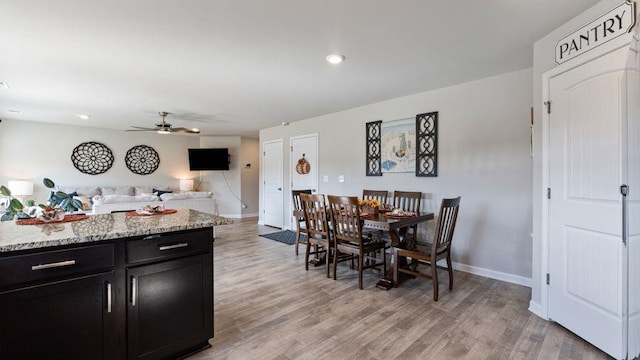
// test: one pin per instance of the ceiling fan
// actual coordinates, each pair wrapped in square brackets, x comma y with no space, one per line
[165,128]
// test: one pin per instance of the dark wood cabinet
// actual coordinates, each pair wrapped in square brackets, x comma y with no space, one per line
[169,308]
[68,319]
[141,298]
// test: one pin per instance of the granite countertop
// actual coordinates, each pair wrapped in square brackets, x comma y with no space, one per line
[14,237]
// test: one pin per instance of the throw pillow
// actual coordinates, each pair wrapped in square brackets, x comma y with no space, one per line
[160,192]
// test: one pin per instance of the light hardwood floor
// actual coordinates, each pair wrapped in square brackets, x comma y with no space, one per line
[268,307]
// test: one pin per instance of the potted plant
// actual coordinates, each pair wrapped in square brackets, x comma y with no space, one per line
[58,203]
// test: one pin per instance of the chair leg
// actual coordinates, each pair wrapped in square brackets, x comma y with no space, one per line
[297,241]
[384,262]
[450,268]
[328,259]
[434,278]
[306,256]
[336,253]
[395,266]
[360,266]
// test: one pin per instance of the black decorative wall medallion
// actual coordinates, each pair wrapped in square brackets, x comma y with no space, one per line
[427,144]
[374,137]
[92,158]
[142,160]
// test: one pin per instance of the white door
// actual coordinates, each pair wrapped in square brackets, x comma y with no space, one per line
[587,142]
[303,147]
[272,176]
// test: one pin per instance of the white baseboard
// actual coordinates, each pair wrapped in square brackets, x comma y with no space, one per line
[492,274]
[536,308]
[239,216]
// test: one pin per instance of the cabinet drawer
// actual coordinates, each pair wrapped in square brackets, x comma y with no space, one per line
[167,246]
[55,264]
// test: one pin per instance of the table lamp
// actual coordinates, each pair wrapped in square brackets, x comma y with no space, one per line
[186,184]
[20,188]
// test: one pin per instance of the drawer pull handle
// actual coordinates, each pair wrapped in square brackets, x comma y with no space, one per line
[53,265]
[174,246]
[151,237]
[109,297]
[134,291]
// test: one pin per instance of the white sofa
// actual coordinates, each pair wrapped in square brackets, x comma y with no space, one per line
[105,200]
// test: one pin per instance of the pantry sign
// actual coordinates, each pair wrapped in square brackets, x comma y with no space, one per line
[607,27]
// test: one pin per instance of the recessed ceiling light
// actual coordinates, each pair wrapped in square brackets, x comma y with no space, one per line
[4,84]
[335,58]
[15,111]
[84,116]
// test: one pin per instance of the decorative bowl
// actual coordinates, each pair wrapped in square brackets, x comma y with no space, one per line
[51,215]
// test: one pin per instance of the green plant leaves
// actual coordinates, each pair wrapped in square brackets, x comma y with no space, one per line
[5,191]
[16,204]
[48,183]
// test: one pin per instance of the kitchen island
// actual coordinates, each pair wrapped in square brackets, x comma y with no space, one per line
[112,286]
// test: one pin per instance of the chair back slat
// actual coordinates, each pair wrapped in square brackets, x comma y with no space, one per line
[315,215]
[345,218]
[297,202]
[407,200]
[446,224]
[380,195]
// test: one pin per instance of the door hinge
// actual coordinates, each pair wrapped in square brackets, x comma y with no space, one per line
[624,190]
[548,105]
[291,148]
[548,193]
[548,279]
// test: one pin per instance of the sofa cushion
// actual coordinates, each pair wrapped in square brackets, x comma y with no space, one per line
[115,199]
[118,190]
[142,190]
[90,191]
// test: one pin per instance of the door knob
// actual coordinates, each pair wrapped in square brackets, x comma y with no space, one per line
[279,189]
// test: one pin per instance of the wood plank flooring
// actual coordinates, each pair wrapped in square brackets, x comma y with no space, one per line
[268,307]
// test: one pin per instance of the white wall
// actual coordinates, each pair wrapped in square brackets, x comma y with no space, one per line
[225,185]
[483,145]
[543,61]
[250,176]
[34,150]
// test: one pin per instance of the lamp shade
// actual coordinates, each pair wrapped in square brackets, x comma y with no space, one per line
[21,187]
[186,184]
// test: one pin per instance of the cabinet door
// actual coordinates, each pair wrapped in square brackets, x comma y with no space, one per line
[69,319]
[170,307]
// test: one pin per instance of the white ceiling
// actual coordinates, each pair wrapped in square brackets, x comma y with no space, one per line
[232,67]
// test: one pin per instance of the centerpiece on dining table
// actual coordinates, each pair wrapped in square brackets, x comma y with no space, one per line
[369,206]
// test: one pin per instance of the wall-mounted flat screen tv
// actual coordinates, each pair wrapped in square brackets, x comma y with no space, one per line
[208,159]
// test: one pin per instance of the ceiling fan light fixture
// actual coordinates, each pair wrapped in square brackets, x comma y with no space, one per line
[195,130]
[163,131]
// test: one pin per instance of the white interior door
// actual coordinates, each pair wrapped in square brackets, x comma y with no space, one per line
[272,176]
[303,146]
[587,149]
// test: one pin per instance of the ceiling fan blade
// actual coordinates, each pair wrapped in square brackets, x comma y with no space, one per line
[184,130]
[138,128]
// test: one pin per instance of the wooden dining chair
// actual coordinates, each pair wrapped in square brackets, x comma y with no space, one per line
[298,214]
[348,240]
[408,201]
[380,195]
[430,253]
[317,226]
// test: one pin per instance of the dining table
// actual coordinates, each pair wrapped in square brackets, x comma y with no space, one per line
[398,229]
